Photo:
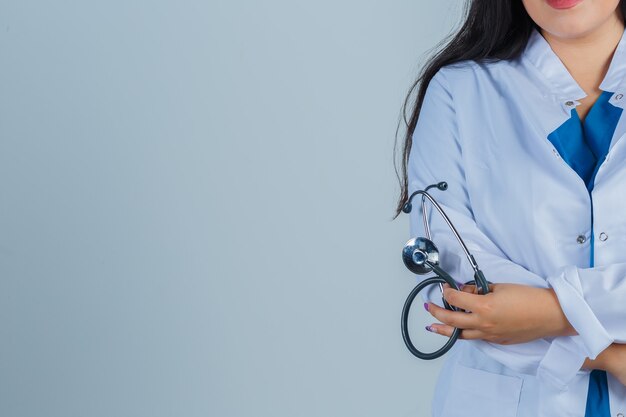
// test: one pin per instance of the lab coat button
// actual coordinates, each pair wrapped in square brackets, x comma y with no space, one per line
[603,236]
[569,103]
[619,97]
[620,415]
[556,153]
[581,239]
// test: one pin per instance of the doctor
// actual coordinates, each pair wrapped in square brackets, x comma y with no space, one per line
[522,114]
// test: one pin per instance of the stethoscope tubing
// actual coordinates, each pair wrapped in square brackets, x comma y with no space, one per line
[481,282]
[405,320]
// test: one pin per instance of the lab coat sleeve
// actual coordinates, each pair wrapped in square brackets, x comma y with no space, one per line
[594,302]
[436,155]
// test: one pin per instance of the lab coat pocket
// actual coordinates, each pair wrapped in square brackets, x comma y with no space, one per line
[474,392]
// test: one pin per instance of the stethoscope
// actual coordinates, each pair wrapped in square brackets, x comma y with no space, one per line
[421,256]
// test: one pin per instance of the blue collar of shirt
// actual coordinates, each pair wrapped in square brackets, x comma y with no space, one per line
[561,82]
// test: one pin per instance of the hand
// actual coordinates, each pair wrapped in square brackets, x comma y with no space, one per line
[510,313]
[612,360]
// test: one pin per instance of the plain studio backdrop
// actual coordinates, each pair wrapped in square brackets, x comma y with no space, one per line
[195,207]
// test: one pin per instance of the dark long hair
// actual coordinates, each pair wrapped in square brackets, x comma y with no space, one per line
[492,30]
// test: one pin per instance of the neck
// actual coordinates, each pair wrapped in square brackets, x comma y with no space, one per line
[587,56]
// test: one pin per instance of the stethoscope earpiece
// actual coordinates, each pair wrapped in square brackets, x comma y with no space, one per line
[443,186]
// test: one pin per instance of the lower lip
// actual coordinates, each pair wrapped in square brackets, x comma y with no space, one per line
[563,4]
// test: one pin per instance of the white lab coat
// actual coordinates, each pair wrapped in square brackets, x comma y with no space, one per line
[526,217]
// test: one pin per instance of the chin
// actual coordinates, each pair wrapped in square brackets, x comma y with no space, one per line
[569,30]
[574,22]
[571,26]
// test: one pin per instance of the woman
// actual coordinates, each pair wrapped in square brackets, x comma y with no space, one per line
[521,114]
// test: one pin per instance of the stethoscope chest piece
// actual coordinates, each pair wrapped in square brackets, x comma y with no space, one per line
[418,253]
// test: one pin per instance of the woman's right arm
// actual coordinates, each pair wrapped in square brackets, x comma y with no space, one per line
[436,155]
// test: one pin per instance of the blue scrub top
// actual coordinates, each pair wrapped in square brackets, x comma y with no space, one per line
[584,145]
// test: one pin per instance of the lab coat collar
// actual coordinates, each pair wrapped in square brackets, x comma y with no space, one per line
[563,85]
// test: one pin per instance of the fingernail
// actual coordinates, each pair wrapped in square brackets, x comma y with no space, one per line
[431,329]
[461,286]
[426,306]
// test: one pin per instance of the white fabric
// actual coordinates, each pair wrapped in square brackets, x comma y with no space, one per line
[520,208]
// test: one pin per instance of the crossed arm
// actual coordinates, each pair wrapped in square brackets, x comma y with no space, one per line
[514,313]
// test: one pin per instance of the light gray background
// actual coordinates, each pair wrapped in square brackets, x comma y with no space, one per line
[195,207]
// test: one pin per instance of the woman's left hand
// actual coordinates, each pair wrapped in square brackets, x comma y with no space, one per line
[510,313]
